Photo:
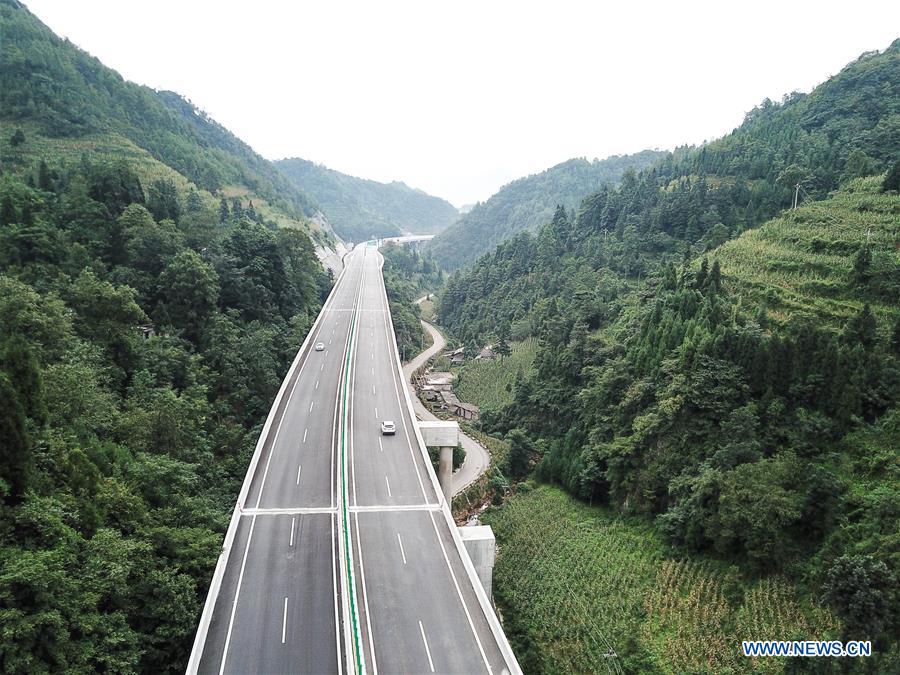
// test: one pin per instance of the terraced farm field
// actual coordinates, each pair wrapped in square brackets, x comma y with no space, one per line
[800,263]
[489,384]
[582,590]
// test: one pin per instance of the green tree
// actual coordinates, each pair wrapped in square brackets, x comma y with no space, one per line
[15,444]
[892,179]
[758,510]
[224,211]
[43,320]
[861,328]
[107,315]
[862,263]
[163,202]
[189,290]
[502,346]
[17,139]
[518,461]
[864,593]
[45,177]
[150,245]
[859,164]
[714,283]
[7,211]
[18,361]
[193,203]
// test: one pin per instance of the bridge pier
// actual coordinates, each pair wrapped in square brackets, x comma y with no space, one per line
[443,435]
[482,549]
[445,471]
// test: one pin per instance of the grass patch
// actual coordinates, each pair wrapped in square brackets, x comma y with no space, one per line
[491,384]
[577,584]
[427,309]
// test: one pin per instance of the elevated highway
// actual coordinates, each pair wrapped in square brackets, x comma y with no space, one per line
[341,555]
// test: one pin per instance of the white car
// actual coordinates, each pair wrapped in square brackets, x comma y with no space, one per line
[388,428]
[320,346]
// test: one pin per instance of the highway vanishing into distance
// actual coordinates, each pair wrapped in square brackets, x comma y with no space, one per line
[342,556]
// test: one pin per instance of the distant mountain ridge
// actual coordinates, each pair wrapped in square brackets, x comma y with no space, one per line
[528,203]
[67,103]
[359,208]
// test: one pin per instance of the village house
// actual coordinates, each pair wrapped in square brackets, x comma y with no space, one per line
[486,354]
[457,356]
[454,406]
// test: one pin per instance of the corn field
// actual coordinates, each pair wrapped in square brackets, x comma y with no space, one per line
[600,594]
[800,262]
[490,384]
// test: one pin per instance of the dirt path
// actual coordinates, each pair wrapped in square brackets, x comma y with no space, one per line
[477,457]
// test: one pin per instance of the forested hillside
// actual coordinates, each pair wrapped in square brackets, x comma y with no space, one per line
[64,103]
[408,275]
[742,392]
[360,209]
[145,327]
[528,203]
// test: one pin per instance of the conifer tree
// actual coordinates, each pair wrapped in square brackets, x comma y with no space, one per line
[861,264]
[15,446]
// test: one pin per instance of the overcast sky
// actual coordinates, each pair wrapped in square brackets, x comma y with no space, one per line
[458,98]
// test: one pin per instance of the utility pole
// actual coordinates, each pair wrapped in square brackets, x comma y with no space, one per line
[796,194]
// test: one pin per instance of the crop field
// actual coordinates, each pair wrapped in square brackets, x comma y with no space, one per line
[582,590]
[799,264]
[489,384]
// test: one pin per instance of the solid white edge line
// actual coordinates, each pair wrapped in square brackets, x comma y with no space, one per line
[362,578]
[236,595]
[459,593]
[215,585]
[392,341]
[427,650]
[487,609]
[337,623]
[262,487]
[351,444]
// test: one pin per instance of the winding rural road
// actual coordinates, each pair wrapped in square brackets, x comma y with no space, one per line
[477,457]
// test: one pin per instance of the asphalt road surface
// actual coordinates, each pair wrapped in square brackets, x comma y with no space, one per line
[344,558]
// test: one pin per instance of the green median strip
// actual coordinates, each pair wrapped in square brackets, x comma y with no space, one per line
[345,510]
